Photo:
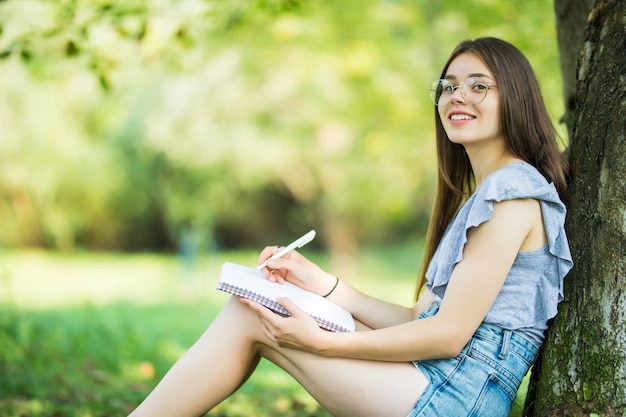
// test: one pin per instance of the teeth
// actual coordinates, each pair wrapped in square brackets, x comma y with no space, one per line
[461,117]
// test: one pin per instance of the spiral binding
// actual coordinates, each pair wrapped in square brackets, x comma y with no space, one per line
[274,305]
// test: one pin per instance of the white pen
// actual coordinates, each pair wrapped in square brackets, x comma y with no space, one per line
[298,243]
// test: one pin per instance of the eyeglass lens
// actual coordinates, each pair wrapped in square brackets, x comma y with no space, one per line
[474,90]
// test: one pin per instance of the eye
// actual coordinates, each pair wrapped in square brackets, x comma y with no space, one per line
[447,87]
[477,84]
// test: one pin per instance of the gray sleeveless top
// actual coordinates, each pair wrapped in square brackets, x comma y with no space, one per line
[534,285]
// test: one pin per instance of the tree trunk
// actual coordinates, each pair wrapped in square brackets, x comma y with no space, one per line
[571,20]
[582,368]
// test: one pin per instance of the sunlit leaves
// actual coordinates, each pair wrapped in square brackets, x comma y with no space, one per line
[127,120]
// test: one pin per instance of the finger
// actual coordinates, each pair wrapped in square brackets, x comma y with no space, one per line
[277,269]
[253,305]
[291,307]
[263,312]
[273,275]
[268,252]
[282,265]
[265,254]
[270,274]
[246,302]
[277,276]
[267,331]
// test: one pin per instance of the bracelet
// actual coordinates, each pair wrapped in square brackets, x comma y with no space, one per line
[332,289]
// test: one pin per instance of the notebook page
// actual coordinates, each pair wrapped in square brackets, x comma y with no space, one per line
[251,281]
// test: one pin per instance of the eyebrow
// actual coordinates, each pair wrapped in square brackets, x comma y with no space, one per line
[475,74]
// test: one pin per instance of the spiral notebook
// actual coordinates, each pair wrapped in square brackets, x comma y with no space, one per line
[250,283]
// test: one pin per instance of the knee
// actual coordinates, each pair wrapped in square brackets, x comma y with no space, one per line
[236,308]
[243,319]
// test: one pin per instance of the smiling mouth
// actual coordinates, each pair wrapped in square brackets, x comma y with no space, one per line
[462,117]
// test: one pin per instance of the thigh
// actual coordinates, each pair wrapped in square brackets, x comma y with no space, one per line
[349,387]
[481,381]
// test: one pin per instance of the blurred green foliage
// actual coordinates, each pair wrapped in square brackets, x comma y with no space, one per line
[128,124]
[91,334]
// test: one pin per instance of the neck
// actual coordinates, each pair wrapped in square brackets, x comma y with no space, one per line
[486,161]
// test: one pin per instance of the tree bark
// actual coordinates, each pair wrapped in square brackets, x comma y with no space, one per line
[571,20]
[582,367]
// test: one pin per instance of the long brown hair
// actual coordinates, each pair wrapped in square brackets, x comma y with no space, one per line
[526,126]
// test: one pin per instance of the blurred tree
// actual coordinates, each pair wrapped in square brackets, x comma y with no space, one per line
[127,122]
[582,369]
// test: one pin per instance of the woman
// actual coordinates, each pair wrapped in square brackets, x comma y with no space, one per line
[493,271]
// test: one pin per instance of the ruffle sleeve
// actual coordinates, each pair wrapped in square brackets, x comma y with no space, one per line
[518,180]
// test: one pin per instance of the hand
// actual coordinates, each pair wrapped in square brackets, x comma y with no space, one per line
[297,269]
[299,331]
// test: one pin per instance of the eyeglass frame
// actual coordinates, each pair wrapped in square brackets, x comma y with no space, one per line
[460,86]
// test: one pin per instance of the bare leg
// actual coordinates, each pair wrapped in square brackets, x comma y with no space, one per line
[225,355]
[212,369]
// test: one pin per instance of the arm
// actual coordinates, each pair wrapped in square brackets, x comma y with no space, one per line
[375,313]
[475,283]
[372,312]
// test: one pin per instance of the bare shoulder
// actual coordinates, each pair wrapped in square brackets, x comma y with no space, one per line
[524,213]
[510,226]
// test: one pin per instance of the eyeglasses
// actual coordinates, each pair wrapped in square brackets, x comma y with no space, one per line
[474,90]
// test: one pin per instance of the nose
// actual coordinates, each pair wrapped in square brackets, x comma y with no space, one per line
[457,95]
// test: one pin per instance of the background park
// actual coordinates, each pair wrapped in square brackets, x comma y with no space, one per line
[144,143]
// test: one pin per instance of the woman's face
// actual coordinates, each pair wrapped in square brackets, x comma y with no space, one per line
[465,123]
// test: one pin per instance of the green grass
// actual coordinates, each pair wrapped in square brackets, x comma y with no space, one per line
[89,335]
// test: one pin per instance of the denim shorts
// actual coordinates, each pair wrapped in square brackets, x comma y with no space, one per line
[482,380]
